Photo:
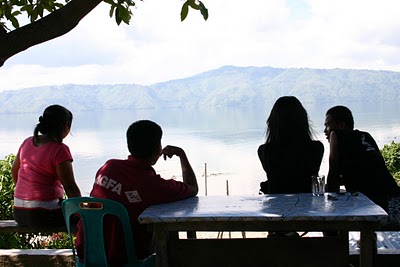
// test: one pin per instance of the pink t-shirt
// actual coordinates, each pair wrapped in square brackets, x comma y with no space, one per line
[37,177]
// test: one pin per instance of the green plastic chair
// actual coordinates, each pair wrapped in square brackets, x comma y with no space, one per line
[92,218]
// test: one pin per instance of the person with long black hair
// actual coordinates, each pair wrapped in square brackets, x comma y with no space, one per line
[290,155]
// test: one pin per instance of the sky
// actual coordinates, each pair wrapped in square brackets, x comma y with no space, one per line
[157,46]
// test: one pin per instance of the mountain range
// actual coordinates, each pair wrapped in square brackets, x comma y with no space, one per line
[227,86]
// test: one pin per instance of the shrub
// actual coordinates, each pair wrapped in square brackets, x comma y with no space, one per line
[6,188]
[391,154]
[7,240]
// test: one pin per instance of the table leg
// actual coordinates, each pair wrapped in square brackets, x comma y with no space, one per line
[368,248]
[160,237]
[191,235]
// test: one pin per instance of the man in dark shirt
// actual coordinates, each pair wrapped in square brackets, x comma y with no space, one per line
[134,183]
[355,161]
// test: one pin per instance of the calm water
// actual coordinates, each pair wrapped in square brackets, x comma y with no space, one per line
[226,139]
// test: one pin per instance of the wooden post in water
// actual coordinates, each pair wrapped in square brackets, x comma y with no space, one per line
[227,193]
[205,177]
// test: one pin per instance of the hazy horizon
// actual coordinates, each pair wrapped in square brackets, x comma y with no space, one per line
[157,47]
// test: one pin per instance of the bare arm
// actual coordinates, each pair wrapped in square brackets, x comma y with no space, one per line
[15,168]
[333,182]
[261,156]
[189,178]
[66,175]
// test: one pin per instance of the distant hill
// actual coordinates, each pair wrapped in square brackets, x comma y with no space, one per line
[226,86]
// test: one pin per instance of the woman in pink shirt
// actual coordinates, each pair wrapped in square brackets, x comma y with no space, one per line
[42,170]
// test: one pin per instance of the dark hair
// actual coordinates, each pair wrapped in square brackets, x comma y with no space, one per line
[341,114]
[144,138]
[53,122]
[288,121]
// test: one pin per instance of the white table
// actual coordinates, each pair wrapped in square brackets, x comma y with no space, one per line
[273,212]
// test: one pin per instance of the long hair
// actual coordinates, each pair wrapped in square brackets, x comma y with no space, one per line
[287,122]
[53,122]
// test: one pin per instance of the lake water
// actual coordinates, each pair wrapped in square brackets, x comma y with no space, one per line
[225,139]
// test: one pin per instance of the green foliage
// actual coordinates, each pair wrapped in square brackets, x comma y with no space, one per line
[6,188]
[193,4]
[121,10]
[11,240]
[36,9]
[35,241]
[47,241]
[10,9]
[391,154]
[55,241]
[16,240]
[7,240]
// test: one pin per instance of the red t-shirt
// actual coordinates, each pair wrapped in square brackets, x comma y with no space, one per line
[134,183]
[37,176]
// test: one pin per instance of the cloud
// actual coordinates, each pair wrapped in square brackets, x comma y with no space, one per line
[157,46]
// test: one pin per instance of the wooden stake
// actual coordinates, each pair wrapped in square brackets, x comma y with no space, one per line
[205,177]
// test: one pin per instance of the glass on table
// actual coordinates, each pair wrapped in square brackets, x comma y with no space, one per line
[318,185]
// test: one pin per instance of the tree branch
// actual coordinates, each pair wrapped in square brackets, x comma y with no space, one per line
[49,27]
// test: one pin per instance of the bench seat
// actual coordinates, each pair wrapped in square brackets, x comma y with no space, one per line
[36,257]
[11,226]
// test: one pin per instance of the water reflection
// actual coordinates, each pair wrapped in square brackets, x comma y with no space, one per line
[225,138]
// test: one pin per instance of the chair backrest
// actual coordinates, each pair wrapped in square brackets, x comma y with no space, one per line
[92,212]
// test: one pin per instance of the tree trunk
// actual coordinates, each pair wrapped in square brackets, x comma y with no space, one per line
[49,27]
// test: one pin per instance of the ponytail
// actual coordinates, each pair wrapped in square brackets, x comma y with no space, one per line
[53,122]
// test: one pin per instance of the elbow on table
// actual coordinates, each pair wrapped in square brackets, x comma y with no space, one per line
[194,190]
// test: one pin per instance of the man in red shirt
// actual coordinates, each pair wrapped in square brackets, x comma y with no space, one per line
[134,183]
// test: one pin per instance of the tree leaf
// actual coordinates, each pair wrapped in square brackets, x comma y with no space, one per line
[203,10]
[50,5]
[111,2]
[117,17]
[112,9]
[184,11]
[14,22]
[29,9]
[34,15]
[192,4]
[7,11]
[124,14]
[40,11]
[16,13]
[48,8]
[3,25]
